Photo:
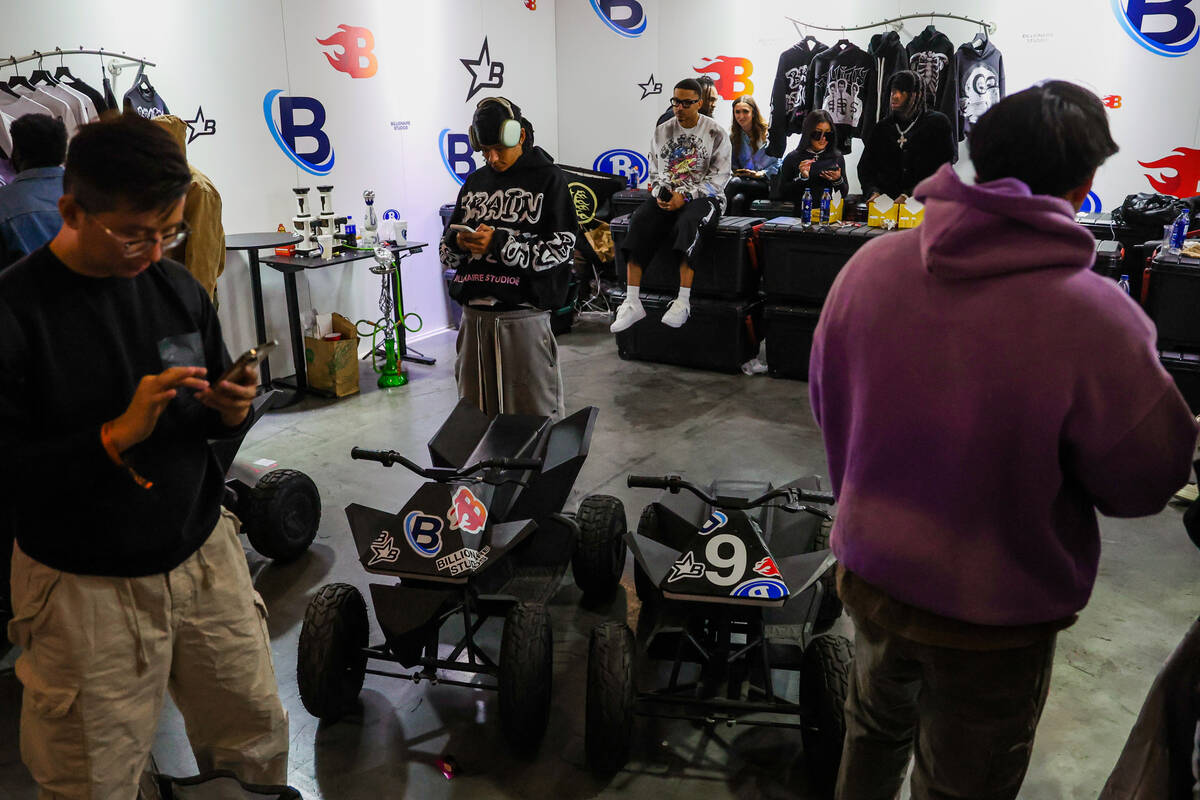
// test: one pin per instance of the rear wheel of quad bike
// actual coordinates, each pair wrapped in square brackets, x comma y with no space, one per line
[599,559]
[330,663]
[283,512]
[831,604]
[824,682]
[647,592]
[526,673]
[610,697]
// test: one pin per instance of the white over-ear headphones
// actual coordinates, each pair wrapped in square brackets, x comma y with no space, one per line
[510,129]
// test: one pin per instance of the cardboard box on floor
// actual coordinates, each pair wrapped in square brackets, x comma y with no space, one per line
[333,366]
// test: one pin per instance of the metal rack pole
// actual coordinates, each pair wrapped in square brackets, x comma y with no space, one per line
[13,60]
[990,26]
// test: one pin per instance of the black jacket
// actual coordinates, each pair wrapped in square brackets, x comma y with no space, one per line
[530,207]
[980,73]
[789,186]
[888,57]
[790,96]
[840,81]
[887,168]
[931,55]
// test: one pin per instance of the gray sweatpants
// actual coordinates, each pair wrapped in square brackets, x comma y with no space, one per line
[508,362]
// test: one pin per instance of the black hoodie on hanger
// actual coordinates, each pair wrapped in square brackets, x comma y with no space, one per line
[931,55]
[143,98]
[840,78]
[980,69]
[790,92]
[889,58]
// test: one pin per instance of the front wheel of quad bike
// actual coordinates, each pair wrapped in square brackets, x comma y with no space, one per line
[610,697]
[283,512]
[330,662]
[599,559]
[824,681]
[831,604]
[647,592]
[526,673]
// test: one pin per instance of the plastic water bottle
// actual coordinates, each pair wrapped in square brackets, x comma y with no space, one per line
[633,178]
[1124,283]
[806,208]
[1179,232]
[826,200]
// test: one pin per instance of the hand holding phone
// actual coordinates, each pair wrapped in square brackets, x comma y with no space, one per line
[664,194]
[251,356]
[462,228]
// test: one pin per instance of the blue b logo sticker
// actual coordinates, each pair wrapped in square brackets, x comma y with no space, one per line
[1092,204]
[424,533]
[1164,27]
[626,17]
[623,163]
[290,131]
[457,154]
[761,589]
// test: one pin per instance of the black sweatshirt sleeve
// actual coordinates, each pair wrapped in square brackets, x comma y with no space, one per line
[780,113]
[449,253]
[868,169]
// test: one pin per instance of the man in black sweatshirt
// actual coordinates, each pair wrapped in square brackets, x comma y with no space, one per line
[511,241]
[128,576]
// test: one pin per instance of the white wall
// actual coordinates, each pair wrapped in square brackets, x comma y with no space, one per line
[225,55]
[1076,40]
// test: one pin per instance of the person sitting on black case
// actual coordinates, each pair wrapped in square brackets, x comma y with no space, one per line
[816,164]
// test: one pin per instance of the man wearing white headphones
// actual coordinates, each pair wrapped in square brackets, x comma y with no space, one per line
[510,241]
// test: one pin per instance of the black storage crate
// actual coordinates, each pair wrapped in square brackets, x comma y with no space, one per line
[800,263]
[723,270]
[720,335]
[1173,301]
[854,210]
[769,209]
[626,201]
[1109,255]
[1185,369]
[789,331]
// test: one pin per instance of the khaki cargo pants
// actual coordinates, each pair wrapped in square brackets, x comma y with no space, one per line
[100,653]
[508,363]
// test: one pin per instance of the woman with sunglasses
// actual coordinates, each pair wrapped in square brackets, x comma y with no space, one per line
[753,169]
[816,164]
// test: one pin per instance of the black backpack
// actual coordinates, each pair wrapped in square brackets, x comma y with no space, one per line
[1150,212]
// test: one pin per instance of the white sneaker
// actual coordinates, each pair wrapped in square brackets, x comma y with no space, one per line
[677,313]
[628,314]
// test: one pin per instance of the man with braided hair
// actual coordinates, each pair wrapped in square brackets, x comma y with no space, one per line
[908,145]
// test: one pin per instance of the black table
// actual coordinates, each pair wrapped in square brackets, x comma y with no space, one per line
[252,243]
[290,265]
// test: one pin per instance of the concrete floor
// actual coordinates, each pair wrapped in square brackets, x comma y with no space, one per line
[652,419]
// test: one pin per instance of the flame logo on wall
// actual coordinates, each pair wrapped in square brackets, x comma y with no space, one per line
[732,75]
[1186,180]
[357,58]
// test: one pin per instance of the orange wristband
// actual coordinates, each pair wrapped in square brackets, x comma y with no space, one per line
[111,449]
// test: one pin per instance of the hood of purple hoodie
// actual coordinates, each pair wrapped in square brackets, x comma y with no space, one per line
[987,229]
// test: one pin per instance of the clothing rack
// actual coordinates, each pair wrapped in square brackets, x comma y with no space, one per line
[801,27]
[58,51]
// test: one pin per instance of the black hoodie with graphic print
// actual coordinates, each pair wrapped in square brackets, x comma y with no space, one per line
[528,261]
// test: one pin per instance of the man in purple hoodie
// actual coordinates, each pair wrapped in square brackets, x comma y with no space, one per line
[982,393]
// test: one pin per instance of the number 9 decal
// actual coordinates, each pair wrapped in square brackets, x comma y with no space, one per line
[736,561]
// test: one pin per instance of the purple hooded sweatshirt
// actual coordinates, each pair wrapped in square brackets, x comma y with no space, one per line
[981,393]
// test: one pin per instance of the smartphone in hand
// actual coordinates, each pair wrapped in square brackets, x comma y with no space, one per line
[251,356]
[664,194]
[462,228]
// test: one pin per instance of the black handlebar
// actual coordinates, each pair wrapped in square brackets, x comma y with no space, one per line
[390,457]
[673,483]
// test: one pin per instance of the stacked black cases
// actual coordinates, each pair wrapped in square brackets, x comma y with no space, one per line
[1172,300]
[769,209]
[720,335]
[1185,369]
[799,265]
[1138,245]
[626,201]
[723,271]
[1109,255]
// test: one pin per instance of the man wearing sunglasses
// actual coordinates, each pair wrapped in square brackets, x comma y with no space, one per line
[128,578]
[690,161]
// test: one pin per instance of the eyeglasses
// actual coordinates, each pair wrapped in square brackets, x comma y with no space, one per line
[675,101]
[819,135]
[139,247]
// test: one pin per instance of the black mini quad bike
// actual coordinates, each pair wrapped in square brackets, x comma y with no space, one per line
[735,585]
[484,538]
[280,509]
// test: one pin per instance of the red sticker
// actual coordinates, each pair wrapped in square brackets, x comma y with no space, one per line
[767,567]
[467,513]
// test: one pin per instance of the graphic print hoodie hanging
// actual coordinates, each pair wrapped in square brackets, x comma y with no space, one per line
[931,55]
[980,82]
[840,78]
[790,93]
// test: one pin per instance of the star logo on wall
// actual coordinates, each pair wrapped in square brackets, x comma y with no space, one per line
[200,126]
[485,73]
[650,87]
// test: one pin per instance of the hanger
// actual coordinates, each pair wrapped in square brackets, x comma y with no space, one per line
[63,71]
[842,45]
[981,39]
[5,90]
[16,79]
[40,75]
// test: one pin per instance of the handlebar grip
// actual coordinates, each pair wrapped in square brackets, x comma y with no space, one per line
[818,497]
[515,463]
[646,482]
[362,454]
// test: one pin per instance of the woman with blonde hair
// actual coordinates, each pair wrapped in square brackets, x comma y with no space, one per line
[753,169]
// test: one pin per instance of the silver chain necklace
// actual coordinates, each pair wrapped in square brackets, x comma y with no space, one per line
[904,131]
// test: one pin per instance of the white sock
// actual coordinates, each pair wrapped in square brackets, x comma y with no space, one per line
[685,294]
[634,295]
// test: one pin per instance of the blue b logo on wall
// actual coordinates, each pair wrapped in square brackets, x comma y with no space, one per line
[1092,204]
[457,154]
[622,162]
[626,17]
[290,131]
[1164,27]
